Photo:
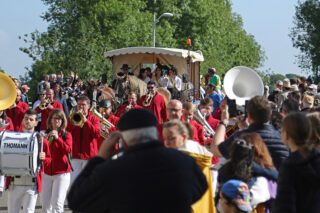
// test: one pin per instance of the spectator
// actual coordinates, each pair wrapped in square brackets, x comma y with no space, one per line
[307,103]
[235,197]
[299,177]
[24,96]
[125,184]
[215,79]
[143,75]
[214,95]
[61,98]
[258,112]
[314,140]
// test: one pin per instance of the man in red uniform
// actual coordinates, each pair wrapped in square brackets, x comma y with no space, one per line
[23,190]
[105,109]
[174,111]
[16,112]
[132,103]
[154,102]
[84,145]
[187,116]
[50,105]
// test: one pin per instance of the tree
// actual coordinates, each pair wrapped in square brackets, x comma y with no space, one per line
[305,35]
[80,31]
[1,70]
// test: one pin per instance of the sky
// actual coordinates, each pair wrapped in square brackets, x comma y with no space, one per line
[269,21]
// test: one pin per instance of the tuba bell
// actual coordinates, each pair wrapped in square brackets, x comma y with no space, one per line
[8,92]
[77,119]
[242,83]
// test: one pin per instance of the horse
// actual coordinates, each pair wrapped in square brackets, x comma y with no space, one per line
[130,83]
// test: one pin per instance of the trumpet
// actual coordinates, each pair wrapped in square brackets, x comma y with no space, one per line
[148,99]
[44,105]
[77,118]
[45,135]
[104,123]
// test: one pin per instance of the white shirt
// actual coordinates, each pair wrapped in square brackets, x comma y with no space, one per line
[177,82]
[163,82]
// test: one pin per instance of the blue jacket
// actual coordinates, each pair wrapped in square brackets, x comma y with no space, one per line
[270,136]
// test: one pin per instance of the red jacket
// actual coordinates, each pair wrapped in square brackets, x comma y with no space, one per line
[214,125]
[45,164]
[114,120]
[122,109]
[84,144]
[46,112]
[198,133]
[9,127]
[157,106]
[16,114]
[59,150]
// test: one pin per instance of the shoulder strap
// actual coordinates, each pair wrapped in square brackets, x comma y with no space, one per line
[64,135]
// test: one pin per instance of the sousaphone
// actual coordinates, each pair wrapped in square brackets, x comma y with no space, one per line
[241,84]
[8,92]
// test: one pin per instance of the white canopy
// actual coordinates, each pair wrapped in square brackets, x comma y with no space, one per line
[195,55]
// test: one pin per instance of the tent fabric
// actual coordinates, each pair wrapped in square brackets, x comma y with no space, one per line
[195,55]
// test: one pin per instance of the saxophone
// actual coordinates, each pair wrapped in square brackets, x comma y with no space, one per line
[148,99]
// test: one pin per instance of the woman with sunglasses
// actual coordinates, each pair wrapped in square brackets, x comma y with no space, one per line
[56,178]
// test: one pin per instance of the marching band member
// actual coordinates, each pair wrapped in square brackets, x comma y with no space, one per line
[84,144]
[187,116]
[56,178]
[206,108]
[23,190]
[154,102]
[105,109]
[16,112]
[132,103]
[46,107]
[5,124]
[174,111]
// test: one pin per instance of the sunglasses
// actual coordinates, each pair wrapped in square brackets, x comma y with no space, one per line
[150,87]
[42,94]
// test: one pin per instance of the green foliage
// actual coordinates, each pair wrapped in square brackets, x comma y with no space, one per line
[305,35]
[1,70]
[80,31]
[291,75]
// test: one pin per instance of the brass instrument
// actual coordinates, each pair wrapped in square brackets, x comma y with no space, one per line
[202,120]
[44,105]
[77,118]
[8,92]
[148,99]
[45,135]
[104,123]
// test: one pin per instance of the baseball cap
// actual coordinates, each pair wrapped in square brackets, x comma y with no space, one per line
[239,192]
[137,118]
[25,87]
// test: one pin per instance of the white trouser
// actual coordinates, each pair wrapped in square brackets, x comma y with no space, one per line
[77,165]
[54,192]
[25,196]
[2,181]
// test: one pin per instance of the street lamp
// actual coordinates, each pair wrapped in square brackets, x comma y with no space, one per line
[155,22]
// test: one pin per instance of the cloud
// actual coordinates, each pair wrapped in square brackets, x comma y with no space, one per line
[4,37]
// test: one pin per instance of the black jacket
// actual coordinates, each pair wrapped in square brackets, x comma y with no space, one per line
[147,178]
[271,138]
[299,185]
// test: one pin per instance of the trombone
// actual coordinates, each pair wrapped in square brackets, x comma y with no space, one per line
[77,118]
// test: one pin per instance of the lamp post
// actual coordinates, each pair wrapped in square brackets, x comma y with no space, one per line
[155,22]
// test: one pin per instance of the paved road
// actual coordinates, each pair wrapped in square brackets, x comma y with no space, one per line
[4,200]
